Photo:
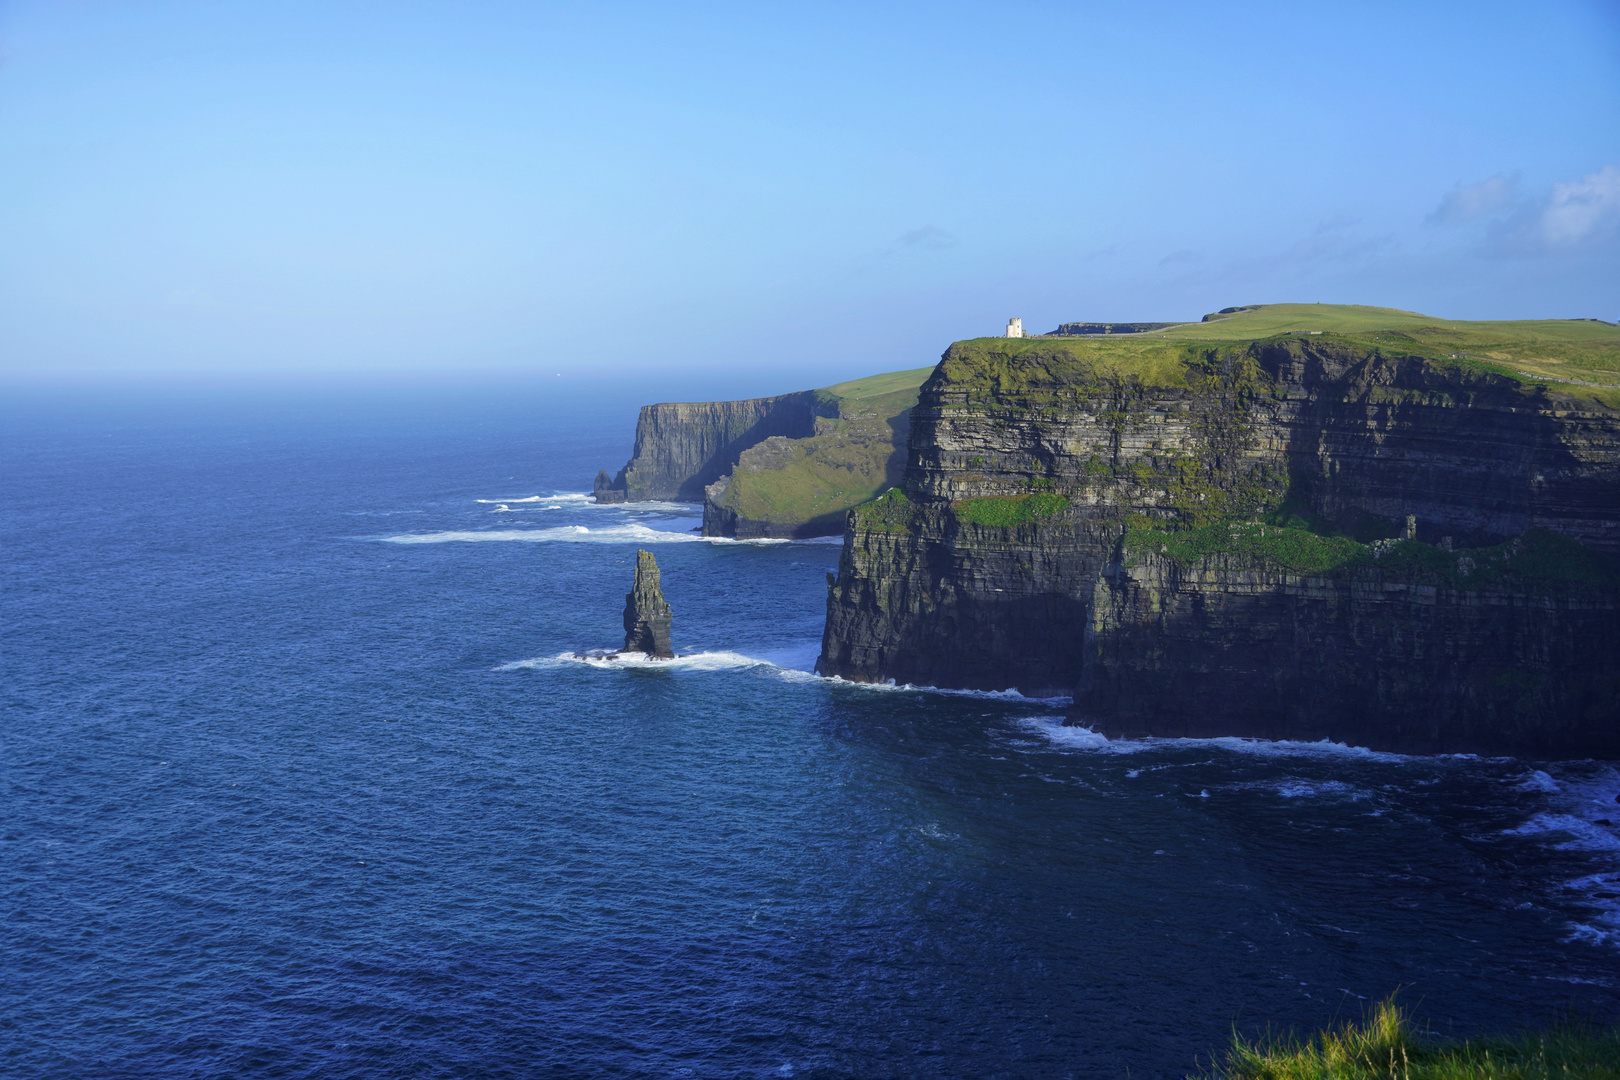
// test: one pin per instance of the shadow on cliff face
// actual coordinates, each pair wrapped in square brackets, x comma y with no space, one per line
[1472,455]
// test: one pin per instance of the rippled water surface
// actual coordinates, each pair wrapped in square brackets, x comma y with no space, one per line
[298,779]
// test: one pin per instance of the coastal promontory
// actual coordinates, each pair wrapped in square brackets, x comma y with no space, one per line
[789,466]
[1288,521]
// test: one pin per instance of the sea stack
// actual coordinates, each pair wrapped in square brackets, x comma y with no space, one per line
[646,614]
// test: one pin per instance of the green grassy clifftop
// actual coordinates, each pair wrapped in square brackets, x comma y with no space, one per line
[1579,357]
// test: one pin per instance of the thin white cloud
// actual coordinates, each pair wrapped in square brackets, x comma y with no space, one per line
[1581,209]
[1471,202]
[1573,215]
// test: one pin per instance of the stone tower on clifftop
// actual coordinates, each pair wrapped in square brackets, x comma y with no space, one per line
[1015,327]
[646,616]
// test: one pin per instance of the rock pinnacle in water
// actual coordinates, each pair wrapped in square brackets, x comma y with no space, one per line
[646,615]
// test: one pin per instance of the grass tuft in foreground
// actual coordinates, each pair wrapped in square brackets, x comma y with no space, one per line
[1386,1046]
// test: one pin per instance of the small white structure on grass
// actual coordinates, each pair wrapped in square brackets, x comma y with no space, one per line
[1015,327]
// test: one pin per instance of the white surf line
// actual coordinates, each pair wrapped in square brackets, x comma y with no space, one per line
[1084,738]
[726,659]
[628,533]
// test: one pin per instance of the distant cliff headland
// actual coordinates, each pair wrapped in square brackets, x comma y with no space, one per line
[1285,521]
[786,466]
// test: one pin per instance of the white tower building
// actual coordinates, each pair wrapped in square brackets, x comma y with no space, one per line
[1015,327]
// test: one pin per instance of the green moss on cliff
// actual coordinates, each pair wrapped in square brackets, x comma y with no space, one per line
[1267,545]
[1537,560]
[889,512]
[1006,511]
[849,460]
[804,486]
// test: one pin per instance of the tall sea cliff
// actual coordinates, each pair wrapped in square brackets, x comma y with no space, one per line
[1351,536]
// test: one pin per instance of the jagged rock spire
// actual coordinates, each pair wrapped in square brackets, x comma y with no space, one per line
[646,615]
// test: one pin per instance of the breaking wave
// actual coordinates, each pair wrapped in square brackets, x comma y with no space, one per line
[1083,738]
[631,533]
[567,534]
[721,660]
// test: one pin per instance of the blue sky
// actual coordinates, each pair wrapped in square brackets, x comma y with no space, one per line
[379,190]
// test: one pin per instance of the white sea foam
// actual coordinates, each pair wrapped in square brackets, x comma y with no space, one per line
[798,657]
[1582,835]
[1306,789]
[530,498]
[1538,781]
[911,688]
[1072,738]
[630,533]
[627,533]
[1583,819]
[1083,738]
[791,663]
[684,509]
[722,660]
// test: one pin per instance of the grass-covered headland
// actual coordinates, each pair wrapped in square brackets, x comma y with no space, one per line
[1579,358]
[1387,1046]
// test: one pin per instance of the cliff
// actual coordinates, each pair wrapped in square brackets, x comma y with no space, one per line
[803,487]
[1001,560]
[682,448]
[1401,647]
[787,466]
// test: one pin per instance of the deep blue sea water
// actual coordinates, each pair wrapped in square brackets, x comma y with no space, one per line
[293,783]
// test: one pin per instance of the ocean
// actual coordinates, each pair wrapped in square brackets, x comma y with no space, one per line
[300,778]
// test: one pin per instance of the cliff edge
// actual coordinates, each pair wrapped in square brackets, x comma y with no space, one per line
[1075,518]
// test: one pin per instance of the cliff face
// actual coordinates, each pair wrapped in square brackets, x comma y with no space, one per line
[999,560]
[799,488]
[682,448]
[786,466]
[1226,646]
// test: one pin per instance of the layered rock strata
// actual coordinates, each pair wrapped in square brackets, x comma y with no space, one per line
[682,448]
[999,562]
[647,617]
[799,488]
[1229,646]
[783,467]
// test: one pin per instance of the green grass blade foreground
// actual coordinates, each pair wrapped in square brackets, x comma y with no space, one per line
[1386,1046]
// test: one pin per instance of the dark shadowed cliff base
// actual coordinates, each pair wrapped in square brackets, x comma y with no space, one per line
[1400,662]
[1081,518]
